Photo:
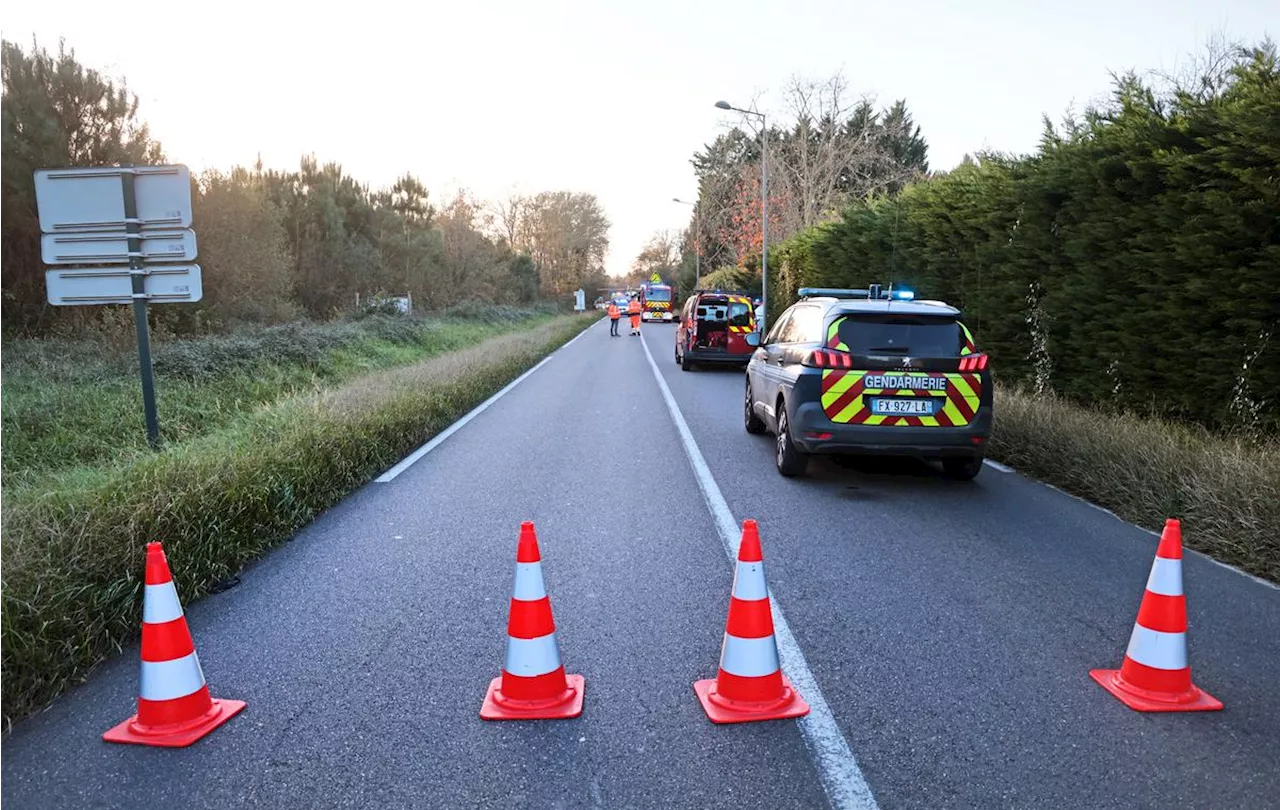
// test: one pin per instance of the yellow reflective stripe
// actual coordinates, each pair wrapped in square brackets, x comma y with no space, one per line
[849,411]
[875,419]
[839,386]
[833,329]
[963,387]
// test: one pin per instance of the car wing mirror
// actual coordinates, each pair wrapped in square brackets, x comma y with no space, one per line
[753,338]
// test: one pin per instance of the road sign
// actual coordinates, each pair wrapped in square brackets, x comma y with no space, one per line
[114,285]
[90,200]
[655,278]
[112,247]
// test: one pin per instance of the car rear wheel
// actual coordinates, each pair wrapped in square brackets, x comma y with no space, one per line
[962,469]
[789,459]
[754,424]
[685,363]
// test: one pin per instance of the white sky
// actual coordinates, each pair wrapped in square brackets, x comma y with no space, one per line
[607,97]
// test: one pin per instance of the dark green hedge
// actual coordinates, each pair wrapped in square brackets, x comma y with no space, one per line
[1133,261]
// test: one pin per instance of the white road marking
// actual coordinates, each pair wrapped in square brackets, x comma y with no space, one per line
[1273,586]
[439,438]
[837,767]
[995,465]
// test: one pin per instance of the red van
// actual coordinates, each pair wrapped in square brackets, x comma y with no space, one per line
[716,328]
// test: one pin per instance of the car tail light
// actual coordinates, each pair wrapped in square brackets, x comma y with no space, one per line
[827,358]
[817,434]
[973,362]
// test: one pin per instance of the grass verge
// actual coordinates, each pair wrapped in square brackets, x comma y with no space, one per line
[1226,491]
[71,403]
[72,552]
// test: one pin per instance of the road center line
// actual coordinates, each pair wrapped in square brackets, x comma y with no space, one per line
[436,440]
[837,767]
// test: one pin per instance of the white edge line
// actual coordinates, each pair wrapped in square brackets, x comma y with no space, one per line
[436,440]
[837,767]
[995,465]
[1273,586]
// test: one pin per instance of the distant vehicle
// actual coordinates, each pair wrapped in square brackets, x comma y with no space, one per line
[657,302]
[717,328]
[621,301]
[865,371]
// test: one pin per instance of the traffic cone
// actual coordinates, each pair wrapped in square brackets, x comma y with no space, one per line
[1155,676]
[750,684]
[533,685]
[174,706]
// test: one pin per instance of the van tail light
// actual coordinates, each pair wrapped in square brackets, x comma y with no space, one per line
[974,362]
[827,358]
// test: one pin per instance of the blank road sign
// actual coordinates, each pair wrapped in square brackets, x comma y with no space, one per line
[93,199]
[177,283]
[113,247]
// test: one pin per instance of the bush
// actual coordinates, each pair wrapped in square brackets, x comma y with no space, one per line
[484,311]
[72,561]
[1225,490]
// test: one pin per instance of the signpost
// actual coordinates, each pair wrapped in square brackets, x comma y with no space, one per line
[137,218]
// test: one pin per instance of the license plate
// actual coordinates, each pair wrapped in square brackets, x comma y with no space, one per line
[921,406]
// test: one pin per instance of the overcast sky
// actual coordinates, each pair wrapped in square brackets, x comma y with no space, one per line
[607,97]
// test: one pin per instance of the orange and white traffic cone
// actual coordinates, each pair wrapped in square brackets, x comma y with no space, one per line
[174,706]
[750,684]
[1155,675]
[533,685]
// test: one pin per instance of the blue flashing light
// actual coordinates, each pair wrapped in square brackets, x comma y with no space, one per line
[903,295]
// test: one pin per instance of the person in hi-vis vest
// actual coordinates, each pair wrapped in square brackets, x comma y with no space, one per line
[633,309]
[614,315]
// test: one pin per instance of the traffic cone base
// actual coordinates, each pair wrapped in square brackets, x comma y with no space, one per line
[177,735]
[723,710]
[560,707]
[1145,700]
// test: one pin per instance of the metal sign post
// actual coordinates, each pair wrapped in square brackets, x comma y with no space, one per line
[138,275]
[137,216]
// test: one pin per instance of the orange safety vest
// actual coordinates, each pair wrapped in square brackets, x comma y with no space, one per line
[613,312]
[634,307]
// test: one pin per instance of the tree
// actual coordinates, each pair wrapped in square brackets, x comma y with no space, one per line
[55,112]
[661,255]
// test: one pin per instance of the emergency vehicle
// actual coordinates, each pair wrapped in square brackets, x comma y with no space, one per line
[871,371]
[657,302]
[716,328]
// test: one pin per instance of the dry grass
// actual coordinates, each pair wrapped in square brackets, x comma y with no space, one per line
[1225,490]
[72,552]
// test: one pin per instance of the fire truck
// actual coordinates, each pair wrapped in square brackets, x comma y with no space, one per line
[657,302]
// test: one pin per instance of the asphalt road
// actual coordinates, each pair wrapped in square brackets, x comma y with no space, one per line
[950,628]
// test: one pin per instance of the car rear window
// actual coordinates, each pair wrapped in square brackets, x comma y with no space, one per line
[914,335]
[739,314]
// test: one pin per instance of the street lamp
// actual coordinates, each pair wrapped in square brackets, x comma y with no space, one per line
[764,206]
[697,240]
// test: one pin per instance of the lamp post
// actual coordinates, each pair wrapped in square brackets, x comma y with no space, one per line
[697,240]
[764,207]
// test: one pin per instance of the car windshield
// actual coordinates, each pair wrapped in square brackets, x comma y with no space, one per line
[658,294]
[918,335]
